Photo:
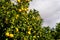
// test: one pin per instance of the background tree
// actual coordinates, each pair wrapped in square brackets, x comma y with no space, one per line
[57,31]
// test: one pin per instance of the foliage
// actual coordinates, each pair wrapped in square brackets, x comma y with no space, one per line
[17,22]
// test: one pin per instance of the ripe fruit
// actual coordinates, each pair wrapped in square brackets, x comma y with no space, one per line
[29,32]
[26,9]
[11,35]
[20,10]
[17,29]
[17,16]
[19,1]
[7,34]
[29,29]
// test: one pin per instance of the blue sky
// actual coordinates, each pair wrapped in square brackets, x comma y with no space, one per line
[48,9]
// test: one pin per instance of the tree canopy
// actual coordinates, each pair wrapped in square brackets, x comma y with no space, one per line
[17,22]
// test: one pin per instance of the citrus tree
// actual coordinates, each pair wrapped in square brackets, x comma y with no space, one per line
[17,23]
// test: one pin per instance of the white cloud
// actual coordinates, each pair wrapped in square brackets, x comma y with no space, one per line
[49,10]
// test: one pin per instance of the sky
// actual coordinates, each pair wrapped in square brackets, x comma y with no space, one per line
[49,11]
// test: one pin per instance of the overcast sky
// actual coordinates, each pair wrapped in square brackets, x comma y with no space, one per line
[49,11]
